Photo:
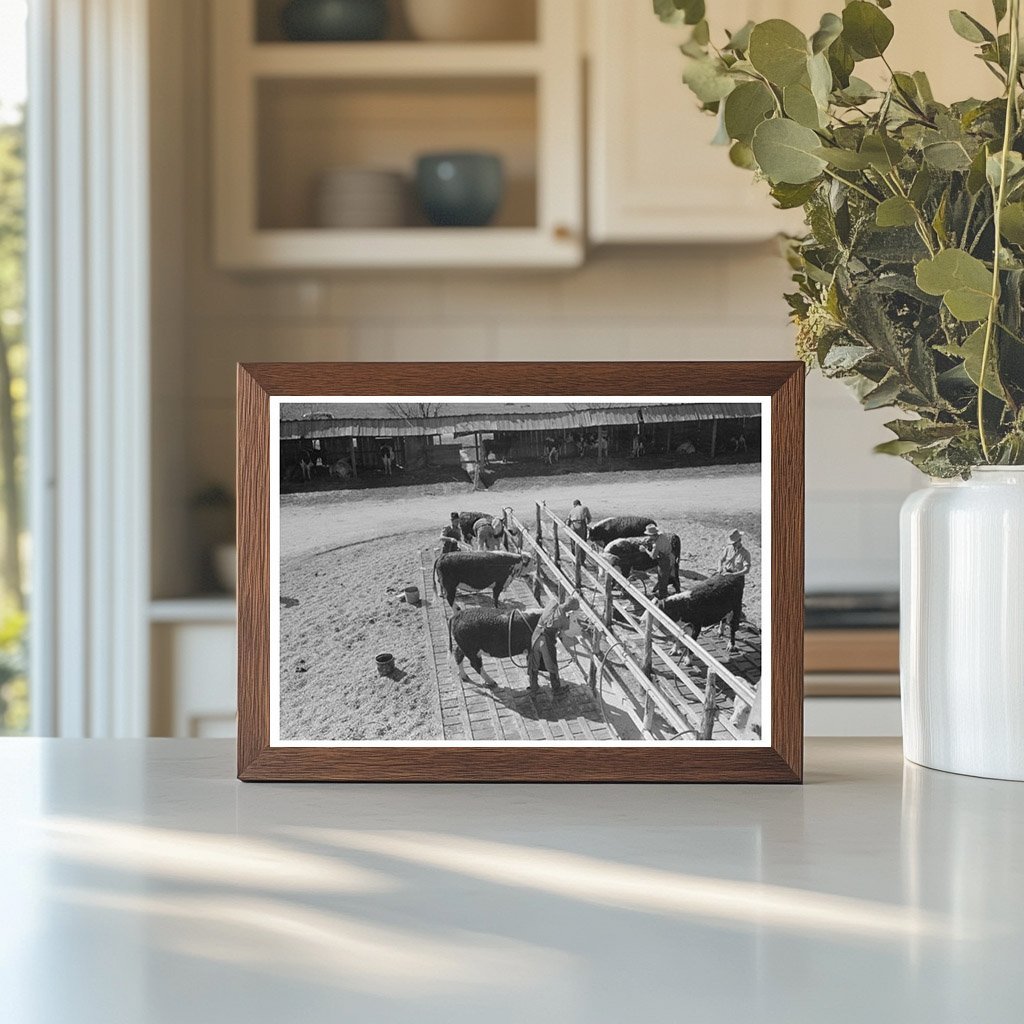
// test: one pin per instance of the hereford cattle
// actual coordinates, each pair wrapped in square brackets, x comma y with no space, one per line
[606,530]
[478,570]
[467,523]
[630,554]
[476,631]
[707,603]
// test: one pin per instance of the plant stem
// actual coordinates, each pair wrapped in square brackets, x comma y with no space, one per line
[856,188]
[993,309]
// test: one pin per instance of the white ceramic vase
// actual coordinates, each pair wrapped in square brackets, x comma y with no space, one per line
[962,624]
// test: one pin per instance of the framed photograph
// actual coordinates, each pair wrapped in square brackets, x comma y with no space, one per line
[510,572]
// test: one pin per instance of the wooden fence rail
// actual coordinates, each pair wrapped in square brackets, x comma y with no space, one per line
[560,585]
[742,689]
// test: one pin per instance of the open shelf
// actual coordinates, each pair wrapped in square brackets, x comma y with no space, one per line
[520,14]
[286,114]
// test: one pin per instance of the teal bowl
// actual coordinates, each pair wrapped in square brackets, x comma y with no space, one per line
[334,21]
[460,190]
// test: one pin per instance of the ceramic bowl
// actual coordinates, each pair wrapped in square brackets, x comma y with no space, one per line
[334,20]
[460,189]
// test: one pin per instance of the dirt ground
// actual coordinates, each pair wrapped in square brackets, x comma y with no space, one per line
[346,557]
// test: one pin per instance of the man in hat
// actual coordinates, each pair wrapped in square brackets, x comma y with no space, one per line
[735,560]
[579,519]
[556,618]
[451,536]
[489,534]
[660,546]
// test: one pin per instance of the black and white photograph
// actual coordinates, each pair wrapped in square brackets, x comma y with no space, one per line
[520,571]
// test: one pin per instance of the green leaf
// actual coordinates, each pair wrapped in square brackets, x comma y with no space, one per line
[778,50]
[924,87]
[800,105]
[741,155]
[745,108]
[866,29]
[896,212]
[923,431]
[883,153]
[841,60]
[963,281]
[1012,226]
[895,447]
[921,185]
[820,76]
[947,156]
[885,394]
[785,152]
[844,159]
[971,352]
[676,12]
[999,7]
[969,28]
[708,80]
[829,30]
[1014,169]
[739,41]
[789,197]
[976,173]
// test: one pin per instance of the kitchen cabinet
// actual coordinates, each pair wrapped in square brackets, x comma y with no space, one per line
[653,175]
[287,113]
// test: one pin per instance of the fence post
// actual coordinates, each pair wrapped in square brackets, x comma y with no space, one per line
[648,714]
[609,607]
[540,528]
[710,707]
[579,566]
[558,549]
[648,644]
[537,578]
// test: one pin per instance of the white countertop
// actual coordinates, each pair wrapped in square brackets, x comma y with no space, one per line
[143,885]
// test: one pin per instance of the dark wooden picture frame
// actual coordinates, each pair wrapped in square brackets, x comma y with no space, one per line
[781,761]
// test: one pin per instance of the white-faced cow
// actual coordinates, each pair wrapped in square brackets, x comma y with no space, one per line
[708,603]
[604,531]
[473,632]
[478,570]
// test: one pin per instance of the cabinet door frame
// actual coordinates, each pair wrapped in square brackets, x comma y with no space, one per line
[617,212]
[553,63]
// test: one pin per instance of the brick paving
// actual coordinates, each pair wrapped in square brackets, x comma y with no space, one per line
[472,712]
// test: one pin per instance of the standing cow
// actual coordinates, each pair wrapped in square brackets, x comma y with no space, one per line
[478,570]
[633,554]
[606,530]
[708,603]
[476,631]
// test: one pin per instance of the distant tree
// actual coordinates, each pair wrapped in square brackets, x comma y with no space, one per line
[13,359]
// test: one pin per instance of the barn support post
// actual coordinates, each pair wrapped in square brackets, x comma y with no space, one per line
[600,446]
[609,607]
[668,438]
[355,467]
[579,566]
[714,437]
[710,707]
[558,548]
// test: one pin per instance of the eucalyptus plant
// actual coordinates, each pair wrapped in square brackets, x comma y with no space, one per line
[909,280]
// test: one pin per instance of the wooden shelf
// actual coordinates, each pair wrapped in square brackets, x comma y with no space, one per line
[393,60]
[401,247]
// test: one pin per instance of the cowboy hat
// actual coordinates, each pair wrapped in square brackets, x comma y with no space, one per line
[735,535]
[652,530]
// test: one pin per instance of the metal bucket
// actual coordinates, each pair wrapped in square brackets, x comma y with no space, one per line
[412,595]
[385,664]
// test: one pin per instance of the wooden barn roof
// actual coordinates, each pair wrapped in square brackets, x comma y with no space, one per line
[343,419]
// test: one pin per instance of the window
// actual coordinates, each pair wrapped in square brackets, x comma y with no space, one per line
[14,695]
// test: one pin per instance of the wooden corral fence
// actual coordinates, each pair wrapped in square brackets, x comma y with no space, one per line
[605,613]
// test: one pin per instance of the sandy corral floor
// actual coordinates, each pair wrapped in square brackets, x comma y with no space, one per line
[347,556]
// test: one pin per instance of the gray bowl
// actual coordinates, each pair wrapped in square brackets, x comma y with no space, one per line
[461,190]
[334,20]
